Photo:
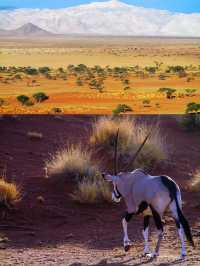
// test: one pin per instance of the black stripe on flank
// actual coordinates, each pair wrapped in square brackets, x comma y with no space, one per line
[170,185]
[172,188]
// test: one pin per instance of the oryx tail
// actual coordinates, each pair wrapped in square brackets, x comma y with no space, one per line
[175,195]
[184,223]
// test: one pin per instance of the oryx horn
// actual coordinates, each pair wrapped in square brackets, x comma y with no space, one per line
[140,147]
[115,153]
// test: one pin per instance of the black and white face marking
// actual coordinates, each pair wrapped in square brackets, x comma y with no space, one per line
[116,195]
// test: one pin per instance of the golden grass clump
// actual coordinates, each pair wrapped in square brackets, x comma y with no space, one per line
[195,185]
[92,191]
[131,135]
[9,192]
[71,162]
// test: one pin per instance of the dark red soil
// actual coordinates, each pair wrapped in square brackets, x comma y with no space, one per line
[60,228]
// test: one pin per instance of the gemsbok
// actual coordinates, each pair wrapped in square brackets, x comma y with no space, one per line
[152,196]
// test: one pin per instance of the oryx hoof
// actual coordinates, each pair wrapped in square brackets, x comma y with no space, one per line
[147,254]
[183,256]
[153,255]
[127,248]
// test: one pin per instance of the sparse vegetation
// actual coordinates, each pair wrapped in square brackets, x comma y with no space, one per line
[23,99]
[115,84]
[168,91]
[190,92]
[195,185]
[40,97]
[9,193]
[122,108]
[56,110]
[131,135]
[92,191]
[1,102]
[146,103]
[72,162]
[191,119]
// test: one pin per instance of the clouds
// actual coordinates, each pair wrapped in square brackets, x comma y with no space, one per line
[105,18]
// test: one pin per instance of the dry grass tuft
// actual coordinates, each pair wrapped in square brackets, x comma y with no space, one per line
[195,185]
[92,191]
[71,162]
[131,135]
[34,135]
[9,193]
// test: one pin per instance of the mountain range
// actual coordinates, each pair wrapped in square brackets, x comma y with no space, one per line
[27,30]
[113,18]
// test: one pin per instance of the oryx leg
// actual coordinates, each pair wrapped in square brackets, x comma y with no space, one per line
[173,209]
[126,240]
[145,233]
[159,226]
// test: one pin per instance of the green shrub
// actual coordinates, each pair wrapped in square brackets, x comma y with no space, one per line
[23,99]
[31,71]
[193,107]
[146,103]
[151,70]
[168,91]
[191,119]
[44,70]
[122,108]
[1,102]
[56,110]
[40,97]
[190,92]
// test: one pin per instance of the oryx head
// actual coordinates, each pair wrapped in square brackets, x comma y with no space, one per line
[116,179]
[116,194]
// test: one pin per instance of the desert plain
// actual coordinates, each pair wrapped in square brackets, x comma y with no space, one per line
[94,75]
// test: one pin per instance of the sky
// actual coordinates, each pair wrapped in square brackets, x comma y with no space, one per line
[186,6]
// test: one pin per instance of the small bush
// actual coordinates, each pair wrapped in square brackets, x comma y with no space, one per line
[23,99]
[191,119]
[40,97]
[146,103]
[131,135]
[56,110]
[195,185]
[44,70]
[168,91]
[9,193]
[193,107]
[71,162]
[122,108]
[1,102]
[190,92]
[92,191]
